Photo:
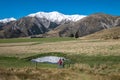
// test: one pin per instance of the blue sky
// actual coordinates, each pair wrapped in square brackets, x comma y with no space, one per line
[20,8]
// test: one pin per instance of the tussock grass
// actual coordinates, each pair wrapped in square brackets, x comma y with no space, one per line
[88,47]
[35,74]
[45,74]
[90,59]
[51,74]
[82,67]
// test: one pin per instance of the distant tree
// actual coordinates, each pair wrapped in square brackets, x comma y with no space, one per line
[71,35]
[76,35]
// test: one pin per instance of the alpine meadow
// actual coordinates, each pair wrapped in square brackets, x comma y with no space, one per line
[59,40]
[91,59]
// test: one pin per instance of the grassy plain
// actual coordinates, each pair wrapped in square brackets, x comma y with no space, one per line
[90,59]
[65,45]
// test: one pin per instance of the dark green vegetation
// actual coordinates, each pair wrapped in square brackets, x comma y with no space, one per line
[95,60]
[17,62]
[41,40]
[73,59]
[84,59]
[14,62]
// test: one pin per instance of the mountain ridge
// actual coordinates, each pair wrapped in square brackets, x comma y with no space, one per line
[56,16]
[6,20]
[87,25]
[36,25]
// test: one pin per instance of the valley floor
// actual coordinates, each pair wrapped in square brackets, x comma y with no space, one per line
[92,59]
[88,47]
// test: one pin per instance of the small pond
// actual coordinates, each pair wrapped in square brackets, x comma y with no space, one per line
[48,59]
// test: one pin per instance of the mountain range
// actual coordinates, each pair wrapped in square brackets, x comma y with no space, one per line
[55,24]
[87,25]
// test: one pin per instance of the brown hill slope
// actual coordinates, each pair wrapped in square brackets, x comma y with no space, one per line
[112,33]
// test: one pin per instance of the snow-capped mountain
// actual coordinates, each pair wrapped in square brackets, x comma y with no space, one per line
[55,24]
[56,16]
[7,20]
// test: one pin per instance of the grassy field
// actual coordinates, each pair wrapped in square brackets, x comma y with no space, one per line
[64,45]
[38,40]
[89,59]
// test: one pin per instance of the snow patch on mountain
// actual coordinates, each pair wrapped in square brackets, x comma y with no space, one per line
[7,20]
[56,16]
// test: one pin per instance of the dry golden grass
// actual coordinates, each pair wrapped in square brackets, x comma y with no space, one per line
[47,74]
[112,33]
[89,47]
[37,74]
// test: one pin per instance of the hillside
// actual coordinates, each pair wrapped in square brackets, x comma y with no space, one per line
[87,25]
[112,33]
